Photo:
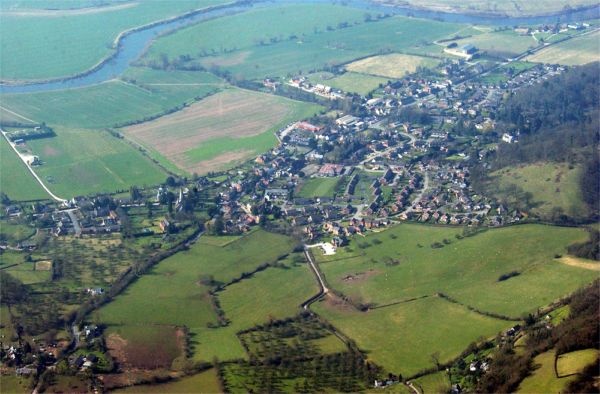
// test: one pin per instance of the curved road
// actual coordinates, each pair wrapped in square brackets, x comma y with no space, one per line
[322,287]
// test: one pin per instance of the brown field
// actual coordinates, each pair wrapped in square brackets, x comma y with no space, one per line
[395,65]
[581,263]
[232,113]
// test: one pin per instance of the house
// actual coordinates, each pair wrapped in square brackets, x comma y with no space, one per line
[509,139]
[164,225]
[331,170]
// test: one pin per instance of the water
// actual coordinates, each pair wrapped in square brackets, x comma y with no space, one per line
[133,45]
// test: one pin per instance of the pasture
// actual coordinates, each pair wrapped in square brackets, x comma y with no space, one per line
[104,105]
[329,48]
[544,378]
[318,187]
[227,127]
[348,82]
[433,383]
[174,292]
[41,45]
[412,260]
[79,162]
[204,382]
[394,66]
[552,186]
[504,44]
[150,77]
[572,52]
[402,338]
[15,179]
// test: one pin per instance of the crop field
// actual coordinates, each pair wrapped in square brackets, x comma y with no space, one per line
[395,65]
[39,45]
[174,292]
[502,43]
[544,379]
[104,105]
[260,26]
[352,82]
[501,7]
[414,260]
[552,185]
[340,46]
[78,162]
[402,338]
[224,128]
[203,382]
[318,187]
[15,180]
[576,51]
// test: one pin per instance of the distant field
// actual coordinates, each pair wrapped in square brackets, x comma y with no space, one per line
[317,51]
[227,127]
[173,292]
[400,263]
[42,45]
[204,382]
[80,162]
[150,77]
[10,117]
[318,187]
[502,43]
[552,185]
[395,65]
[499,7]
[15,180]
[576,51]
[349,81]
[544,379]
[103,105]
[402,338]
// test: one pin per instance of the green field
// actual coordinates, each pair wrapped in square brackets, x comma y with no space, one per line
[150,77]
[79,162]
[204,382]
[400,264]
[173,292]
[221,130]
[351,82]
[544,379]
[502,43]
[319,51]
[395,65]
[15,180]
[318,187]
[437,383]
[402,338]
[38,45]
[576,51]
[103,105]
[552,185]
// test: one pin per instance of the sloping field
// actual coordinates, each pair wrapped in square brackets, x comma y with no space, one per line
[103,105]
[79,162]
[204,382]
[395,65]
[413,260]
[42,44]
[230,126]
[576,51]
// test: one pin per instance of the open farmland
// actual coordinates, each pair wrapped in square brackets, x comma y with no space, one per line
[15,179]
[204,382]
[402,338]
[104,105]
[348,82]
[227,127]
[501,43]
[395,65]
[78,162]
[175,288]
[49,45]
[576,51]
[336,47]
[496,7]
[149,77]
[413,260]
[551,185]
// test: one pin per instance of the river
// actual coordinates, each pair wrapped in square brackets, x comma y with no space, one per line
[132,45]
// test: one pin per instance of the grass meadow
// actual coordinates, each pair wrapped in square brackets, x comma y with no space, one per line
[433,383]
[352,82]
[318,187]
[573,52]
[394,66]
[552,185]
[204,382]
[402,338]
[42,45]
[15,179]
[400,263]
[501,43]
[103,105]
[79,162]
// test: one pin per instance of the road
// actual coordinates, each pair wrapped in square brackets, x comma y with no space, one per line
[75,222]
[322,287]
[418,196]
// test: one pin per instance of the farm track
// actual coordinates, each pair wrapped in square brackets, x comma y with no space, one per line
[323,290]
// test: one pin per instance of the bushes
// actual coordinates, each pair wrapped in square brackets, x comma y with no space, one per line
[509,275]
